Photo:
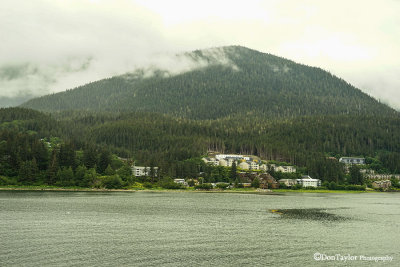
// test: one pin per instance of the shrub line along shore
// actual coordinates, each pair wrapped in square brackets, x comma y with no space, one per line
[250,191]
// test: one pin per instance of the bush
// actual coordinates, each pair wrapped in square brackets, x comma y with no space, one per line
[332,185]
[147,185]
[171,185]
[205,186]
[191,182]
[310,188]
[112,182]
[283,186]
[7,181]
[238,185]
[222,185]
[255,183]
[395,182]
[168,183]
[355,187]
[297,187]
[340,187]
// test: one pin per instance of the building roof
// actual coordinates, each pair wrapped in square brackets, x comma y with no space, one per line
[308,178]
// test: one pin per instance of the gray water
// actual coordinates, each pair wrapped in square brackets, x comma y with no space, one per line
[187,228]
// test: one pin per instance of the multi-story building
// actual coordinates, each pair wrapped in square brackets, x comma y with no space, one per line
[237,157]
[212,161]
[244,165]
[253,165]
[352,160]
[382,176]
[285,169]
[307,181]
[139,171]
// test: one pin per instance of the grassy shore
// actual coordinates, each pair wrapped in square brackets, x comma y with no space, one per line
[159,189]
[323,191]
[55,188]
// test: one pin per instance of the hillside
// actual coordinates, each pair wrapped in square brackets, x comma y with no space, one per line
[235,80]
[13,101]
[170,143]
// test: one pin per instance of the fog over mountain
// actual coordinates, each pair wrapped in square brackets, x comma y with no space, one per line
[50,46]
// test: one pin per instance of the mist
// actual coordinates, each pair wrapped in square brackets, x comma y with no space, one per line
[49,46]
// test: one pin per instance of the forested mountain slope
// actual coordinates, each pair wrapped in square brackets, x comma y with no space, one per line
[235,81]
[167,141]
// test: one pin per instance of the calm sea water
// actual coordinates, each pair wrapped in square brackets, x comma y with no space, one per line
[185,229]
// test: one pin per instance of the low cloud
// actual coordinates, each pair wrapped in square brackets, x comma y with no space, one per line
[49,46]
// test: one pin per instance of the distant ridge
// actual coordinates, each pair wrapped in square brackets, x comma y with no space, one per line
[228,81]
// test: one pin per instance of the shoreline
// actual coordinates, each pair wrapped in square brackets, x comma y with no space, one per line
[245,191]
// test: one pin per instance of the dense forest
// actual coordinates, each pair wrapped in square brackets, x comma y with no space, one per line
[33,143]
[246,103]
[242,82]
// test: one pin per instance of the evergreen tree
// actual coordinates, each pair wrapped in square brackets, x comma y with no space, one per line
[41,154]
[89,178]
[51,175]
[65,177]
[28,172]
[90,157]
[109,171]
[233,172]
[104,161]
[80,173]
[355,175]
[67,156]
[125,172]
[255,183]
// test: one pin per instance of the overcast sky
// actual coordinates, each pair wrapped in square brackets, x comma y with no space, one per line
[51,45]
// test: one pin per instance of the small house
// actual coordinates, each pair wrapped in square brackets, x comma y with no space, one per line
[181,181]
[307,181]
[288,182]
[385,184]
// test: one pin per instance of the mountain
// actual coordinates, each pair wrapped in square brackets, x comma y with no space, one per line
[6,101]
[224,82]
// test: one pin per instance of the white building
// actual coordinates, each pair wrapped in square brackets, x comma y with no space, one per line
[253,165]
[223,162]
[264,167]
[288,182]
[230,161]
[382,176]
[212,161]
[139,171]
[385,184]
[181,181]
[352,160]
[237,157]
[307,181]
[244,165]
[367,171]
[267,167]
[285,169]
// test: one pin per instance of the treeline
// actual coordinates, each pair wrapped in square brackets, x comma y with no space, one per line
[26,159]
[304,141]
[152,139]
